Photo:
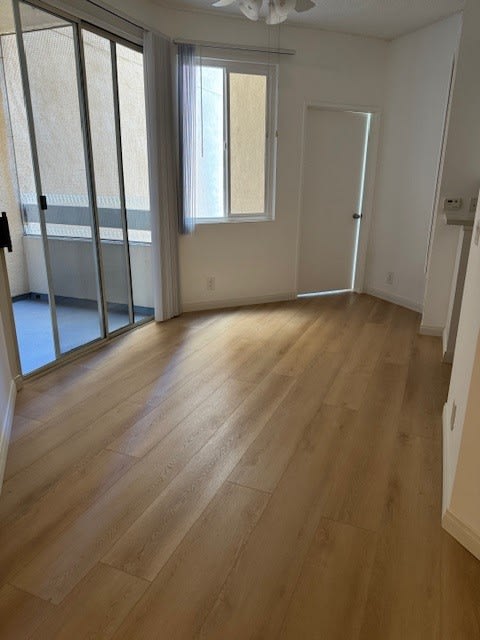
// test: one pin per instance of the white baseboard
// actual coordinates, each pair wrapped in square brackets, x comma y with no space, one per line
[430,330]
[205,305]
[236,302]
[399,300]
[464,534]
[6,429]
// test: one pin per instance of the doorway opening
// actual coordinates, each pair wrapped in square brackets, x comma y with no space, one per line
[336,174]
[75,183]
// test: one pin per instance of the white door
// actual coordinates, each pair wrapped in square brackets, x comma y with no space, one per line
[333,174]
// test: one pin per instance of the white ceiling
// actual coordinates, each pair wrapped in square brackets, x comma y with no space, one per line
[380,18]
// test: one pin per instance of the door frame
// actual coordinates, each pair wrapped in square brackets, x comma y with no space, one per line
[369,183]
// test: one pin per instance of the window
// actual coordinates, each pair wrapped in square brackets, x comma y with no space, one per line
[68,213]
[235,108]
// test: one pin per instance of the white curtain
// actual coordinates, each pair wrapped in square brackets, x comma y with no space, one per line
[163,174]
[187,134]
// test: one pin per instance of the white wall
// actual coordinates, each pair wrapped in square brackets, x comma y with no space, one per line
[419,73]
[461,174]
[258,260]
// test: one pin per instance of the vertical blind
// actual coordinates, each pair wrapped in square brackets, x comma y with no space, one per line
[187,135]
[159,94]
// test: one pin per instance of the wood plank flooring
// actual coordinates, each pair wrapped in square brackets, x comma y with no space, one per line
[270,472]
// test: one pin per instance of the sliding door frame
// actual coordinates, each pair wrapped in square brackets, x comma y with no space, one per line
[78,25]
[91,185]
[121,179]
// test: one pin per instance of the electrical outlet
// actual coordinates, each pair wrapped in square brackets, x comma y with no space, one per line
[211,283]
[453,416]
[453,204]
[473,205]
[390,277]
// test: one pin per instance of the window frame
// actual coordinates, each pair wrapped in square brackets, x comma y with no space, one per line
[270,71]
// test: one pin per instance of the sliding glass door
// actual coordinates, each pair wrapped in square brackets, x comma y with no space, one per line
[101,88]
[116,106]
[26,266]
[133,128]
[86,215]
[66,215]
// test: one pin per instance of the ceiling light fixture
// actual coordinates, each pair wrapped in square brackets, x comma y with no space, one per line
[273,11]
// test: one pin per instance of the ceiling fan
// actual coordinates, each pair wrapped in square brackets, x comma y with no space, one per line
[274,12]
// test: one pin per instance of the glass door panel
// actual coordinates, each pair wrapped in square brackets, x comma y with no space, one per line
[133,128]
[101,99]
[50,45]
[26,266]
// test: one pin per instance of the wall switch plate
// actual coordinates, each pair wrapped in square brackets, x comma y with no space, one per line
[473,205]
[453,204]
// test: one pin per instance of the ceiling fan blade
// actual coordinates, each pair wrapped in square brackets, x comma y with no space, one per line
[223,3]
[304,5]
[250,8]
[283,7]
[275,18]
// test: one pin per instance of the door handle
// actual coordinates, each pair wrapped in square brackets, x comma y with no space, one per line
[357,216]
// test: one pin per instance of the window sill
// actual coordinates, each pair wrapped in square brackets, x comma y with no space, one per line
[209,221]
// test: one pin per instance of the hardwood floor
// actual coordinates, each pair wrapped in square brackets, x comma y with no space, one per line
[269,472]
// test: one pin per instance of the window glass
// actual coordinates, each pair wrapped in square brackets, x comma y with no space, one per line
[210,140]
[133,127]
[101,101]
[248,100]
[18,122]
[233,153]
